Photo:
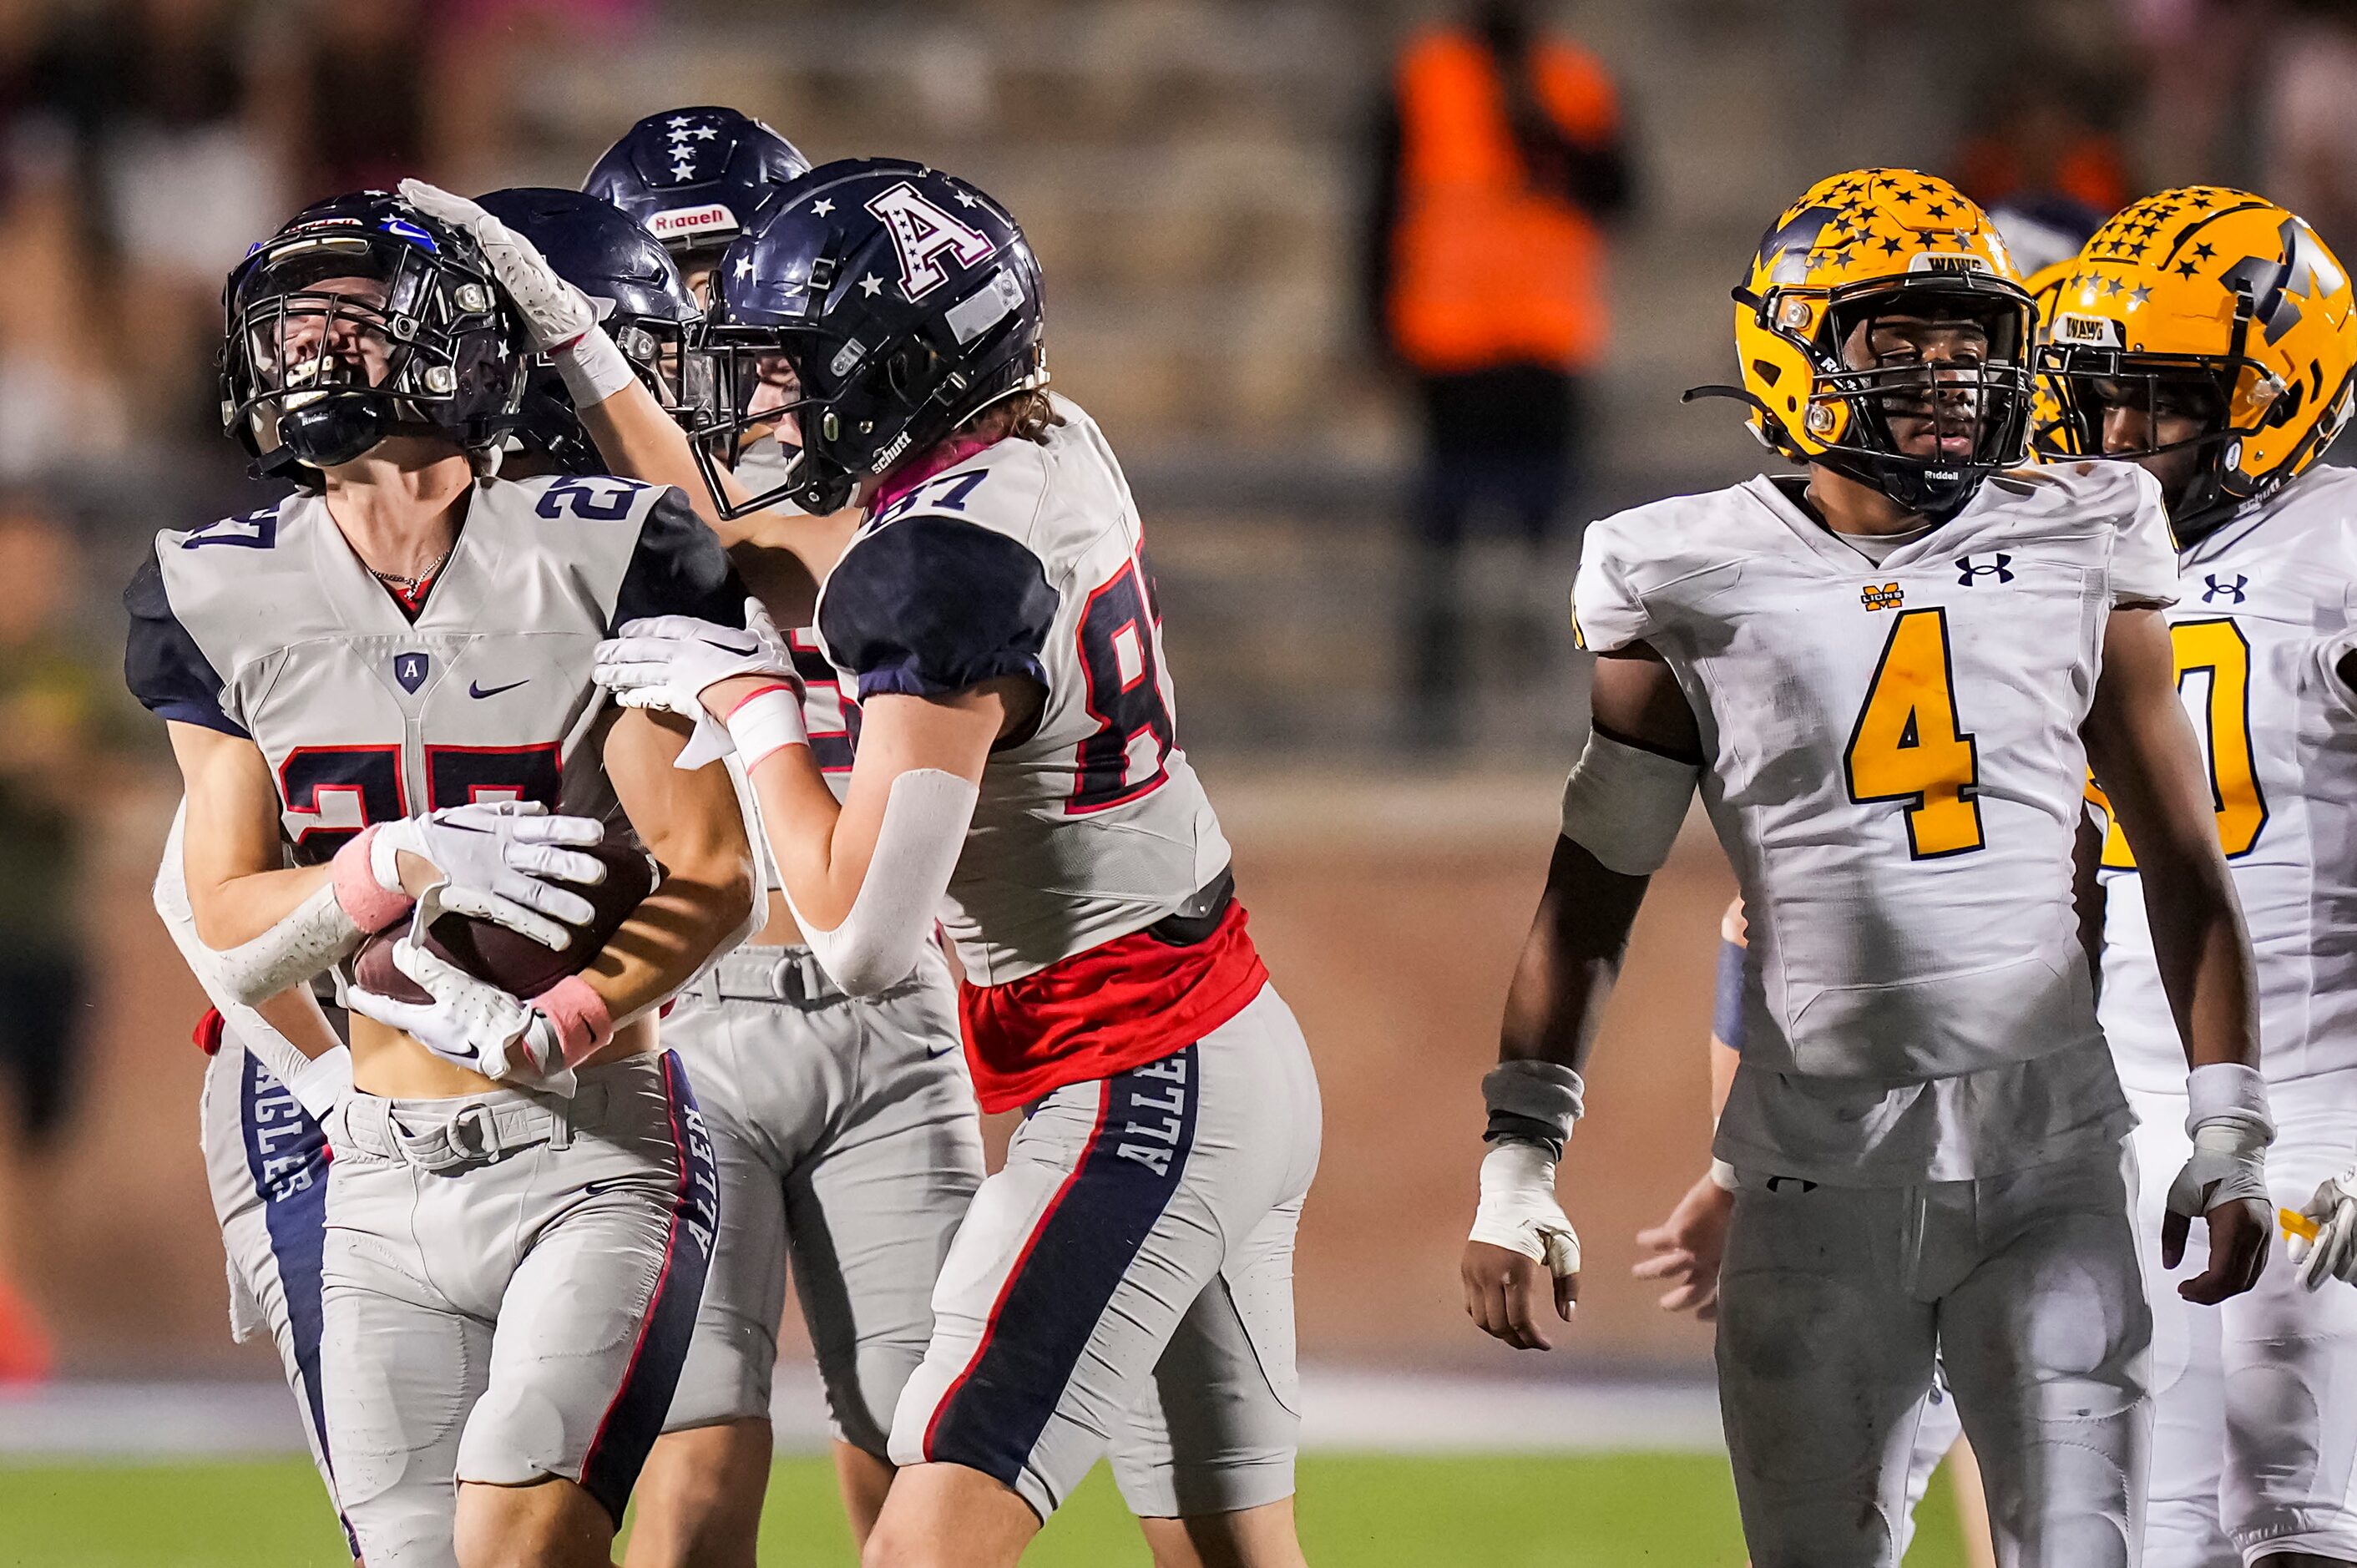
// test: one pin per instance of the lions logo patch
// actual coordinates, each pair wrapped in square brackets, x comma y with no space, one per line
[1889,596]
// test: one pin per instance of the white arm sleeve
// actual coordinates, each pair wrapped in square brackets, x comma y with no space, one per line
[917,847]
[309,1078]
[1624,805]
[315,934]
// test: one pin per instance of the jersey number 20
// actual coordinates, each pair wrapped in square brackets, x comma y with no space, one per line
[1907,744]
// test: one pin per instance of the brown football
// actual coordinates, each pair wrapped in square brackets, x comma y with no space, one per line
[514,963]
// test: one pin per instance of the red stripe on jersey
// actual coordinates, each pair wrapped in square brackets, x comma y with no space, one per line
[1120,1005]
[207,1035]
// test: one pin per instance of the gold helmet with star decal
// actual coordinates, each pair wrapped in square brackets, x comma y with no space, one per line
[2048,431]
[2217,303]
[1868,245]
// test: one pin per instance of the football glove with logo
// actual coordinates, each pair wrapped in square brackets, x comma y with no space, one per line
[667,662]
[504,861]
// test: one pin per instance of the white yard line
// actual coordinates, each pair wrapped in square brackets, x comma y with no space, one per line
[1343,1409]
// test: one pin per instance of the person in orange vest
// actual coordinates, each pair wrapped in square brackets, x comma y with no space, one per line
[1500,160]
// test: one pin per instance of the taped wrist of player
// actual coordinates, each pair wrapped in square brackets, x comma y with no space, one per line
[765,720]
[592,367]
[1518,1210]
[2227,1116]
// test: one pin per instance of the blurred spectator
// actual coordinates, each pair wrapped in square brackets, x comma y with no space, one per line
[59,722]
[171,173]
[2046,148]
[59,407]
[349,78]
[2310,98]
[1500,157]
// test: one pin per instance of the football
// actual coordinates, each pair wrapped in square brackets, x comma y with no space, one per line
[514,963]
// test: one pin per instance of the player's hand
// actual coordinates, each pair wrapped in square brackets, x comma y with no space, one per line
[2225,1181]
[1684,1249]
[556,314]
[2333,1254]
[504,861]
[469,1022]
[670,661]
[1520,1237]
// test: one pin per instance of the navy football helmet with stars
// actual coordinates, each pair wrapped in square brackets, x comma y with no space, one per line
[695,178]
[363,318]
[880,306]
[632,281]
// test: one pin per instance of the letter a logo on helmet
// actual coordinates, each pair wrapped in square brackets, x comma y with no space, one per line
[922,234]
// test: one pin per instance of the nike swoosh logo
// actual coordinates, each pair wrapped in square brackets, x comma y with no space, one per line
[474,689]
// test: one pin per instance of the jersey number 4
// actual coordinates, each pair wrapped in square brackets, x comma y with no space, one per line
[2215,649]
[1907,746]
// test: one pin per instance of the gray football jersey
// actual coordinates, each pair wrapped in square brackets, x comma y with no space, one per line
[268,627]
[1027,559]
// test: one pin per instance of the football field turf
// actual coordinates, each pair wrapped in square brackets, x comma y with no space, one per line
[1390,1511]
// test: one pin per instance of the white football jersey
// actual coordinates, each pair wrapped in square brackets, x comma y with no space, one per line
[1025,560]
[268,627]
[2264,614]
[1894,760]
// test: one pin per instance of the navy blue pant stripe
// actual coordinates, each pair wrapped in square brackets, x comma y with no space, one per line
[286,1154]
[993,1416]
[635,1419]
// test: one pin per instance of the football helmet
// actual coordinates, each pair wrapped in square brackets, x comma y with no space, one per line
[635,285]
[2048,434]
[880,306]
[2212,299]
[1858,247]
[695,178]
[361,319]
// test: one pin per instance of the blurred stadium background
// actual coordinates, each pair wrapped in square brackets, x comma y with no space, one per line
[1197,177]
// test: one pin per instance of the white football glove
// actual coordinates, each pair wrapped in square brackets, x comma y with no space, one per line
[2333,1253]
[555,313]
[1518,1209]
[470,1021]
[503,861]
[559,320]
[666,662]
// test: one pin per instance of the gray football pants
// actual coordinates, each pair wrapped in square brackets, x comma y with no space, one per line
[846,1137]
[510,1283]
[1833,1302]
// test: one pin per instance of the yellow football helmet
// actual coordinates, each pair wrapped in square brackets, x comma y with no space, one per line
[2211,299]
[1860,245]
[2049,431]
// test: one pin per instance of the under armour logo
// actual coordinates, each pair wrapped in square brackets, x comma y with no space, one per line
[1970,569]
[2232,592]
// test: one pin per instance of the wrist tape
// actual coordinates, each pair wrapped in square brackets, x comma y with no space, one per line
[593,367]
[579,1016]
[2230,1093]
[367,884]
[766,720]
[1534,1100]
